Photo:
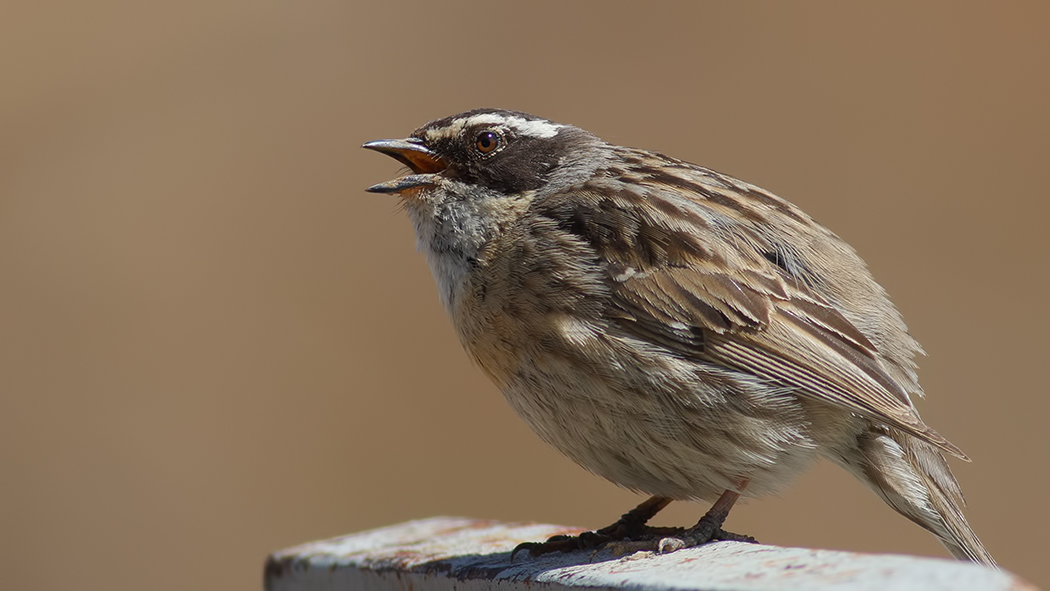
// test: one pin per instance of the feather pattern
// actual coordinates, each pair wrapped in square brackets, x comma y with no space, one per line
[750,313]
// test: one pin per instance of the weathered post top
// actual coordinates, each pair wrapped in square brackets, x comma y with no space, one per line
[446,553]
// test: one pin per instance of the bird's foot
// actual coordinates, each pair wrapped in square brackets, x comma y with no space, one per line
[691,539]
[660,540]
[631,534]
[708,529]
[631,526]
[615,537]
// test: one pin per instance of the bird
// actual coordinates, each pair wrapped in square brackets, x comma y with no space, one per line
[674,330]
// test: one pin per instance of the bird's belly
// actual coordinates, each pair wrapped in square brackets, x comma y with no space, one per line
[635,413]
[653,423]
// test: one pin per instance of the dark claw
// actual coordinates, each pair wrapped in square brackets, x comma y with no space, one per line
[559,543]
[526,546]
[722,535]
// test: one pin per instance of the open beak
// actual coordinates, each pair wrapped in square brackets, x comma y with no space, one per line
[412,153]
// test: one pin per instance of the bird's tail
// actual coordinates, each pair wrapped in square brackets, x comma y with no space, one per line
[914,478]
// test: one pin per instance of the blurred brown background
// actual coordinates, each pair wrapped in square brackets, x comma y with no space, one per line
[214,344]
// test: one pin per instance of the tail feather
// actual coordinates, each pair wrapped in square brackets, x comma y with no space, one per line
[914,478]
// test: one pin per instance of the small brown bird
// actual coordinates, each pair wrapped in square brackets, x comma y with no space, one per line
[672,329]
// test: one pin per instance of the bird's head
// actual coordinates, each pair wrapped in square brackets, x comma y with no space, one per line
[487,153]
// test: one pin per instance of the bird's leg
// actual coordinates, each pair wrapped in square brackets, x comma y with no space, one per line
[709,528]
[630,526]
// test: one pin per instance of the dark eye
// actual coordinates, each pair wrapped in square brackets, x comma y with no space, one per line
[486,142]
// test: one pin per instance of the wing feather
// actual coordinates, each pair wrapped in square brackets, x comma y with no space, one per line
[707,287]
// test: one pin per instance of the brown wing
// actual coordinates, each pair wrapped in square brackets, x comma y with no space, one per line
[690,269]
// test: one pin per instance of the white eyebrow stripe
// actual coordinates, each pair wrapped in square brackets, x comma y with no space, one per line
[540,129]
[452,130]
[537,128]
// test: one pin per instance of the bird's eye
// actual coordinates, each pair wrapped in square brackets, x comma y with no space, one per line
[487,142]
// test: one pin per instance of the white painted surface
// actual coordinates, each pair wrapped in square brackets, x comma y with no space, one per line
[445,553]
